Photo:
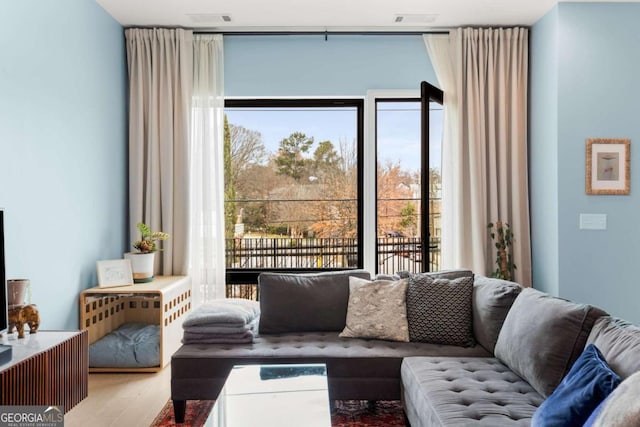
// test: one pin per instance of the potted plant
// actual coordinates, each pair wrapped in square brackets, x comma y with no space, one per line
[142,261]
[503,236]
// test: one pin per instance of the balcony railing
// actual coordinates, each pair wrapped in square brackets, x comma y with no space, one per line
[394,254]
[284,253]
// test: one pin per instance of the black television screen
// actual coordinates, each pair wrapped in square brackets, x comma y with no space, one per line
[3,279]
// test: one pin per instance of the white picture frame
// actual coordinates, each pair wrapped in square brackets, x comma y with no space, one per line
[114,272]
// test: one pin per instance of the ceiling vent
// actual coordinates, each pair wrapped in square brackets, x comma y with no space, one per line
[209,18]
[414,18]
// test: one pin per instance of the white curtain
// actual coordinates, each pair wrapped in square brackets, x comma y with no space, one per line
[483,73]
[207,268]
[159,65]
[441,53]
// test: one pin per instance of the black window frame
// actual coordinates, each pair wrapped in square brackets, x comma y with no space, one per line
[241,276]
[428,93]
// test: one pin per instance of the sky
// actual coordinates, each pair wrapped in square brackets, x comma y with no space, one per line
[398,128]
[399,134]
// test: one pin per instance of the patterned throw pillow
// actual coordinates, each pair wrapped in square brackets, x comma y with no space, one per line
[377,310]
[439,310]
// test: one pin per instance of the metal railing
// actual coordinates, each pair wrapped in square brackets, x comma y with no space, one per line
[405,254]
[394,254]
[283,253]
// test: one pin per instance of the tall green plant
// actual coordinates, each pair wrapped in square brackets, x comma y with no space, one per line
[503,237]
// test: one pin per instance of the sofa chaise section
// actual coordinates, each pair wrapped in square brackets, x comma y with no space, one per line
[479,391]
[539,340]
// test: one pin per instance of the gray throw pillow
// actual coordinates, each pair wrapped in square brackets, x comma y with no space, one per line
[492,300]
[441,274]
[619,342]
[542,336]
[439,310]
[304,302]
[377,310]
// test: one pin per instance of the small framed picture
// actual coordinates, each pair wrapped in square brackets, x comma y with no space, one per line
[608,166]
[114,272]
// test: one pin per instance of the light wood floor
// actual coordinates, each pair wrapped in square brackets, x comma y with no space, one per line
[123,400]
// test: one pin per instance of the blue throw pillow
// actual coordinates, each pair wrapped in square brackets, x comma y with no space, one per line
[588,383]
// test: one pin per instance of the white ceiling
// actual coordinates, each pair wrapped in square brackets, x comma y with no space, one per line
[321,15]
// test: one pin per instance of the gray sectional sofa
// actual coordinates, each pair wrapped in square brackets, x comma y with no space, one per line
[499,381]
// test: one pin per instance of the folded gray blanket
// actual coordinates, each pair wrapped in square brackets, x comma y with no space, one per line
[196,338]
[223,329]
[231,312]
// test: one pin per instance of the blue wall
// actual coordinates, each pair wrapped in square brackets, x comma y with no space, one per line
[598,92]
[307,65]
[63,152]
[543,152]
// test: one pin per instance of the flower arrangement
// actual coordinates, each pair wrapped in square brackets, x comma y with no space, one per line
[149,238]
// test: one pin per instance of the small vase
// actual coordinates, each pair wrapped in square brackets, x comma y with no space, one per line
[141,266]
[17,291]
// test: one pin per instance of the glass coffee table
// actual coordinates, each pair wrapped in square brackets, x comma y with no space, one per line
[273,395]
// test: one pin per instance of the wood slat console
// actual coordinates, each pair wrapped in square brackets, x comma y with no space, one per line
[47,368]
[165,302]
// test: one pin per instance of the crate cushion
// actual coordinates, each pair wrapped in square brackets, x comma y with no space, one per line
[132,345]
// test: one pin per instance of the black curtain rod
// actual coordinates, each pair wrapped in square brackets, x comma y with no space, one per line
[320,33]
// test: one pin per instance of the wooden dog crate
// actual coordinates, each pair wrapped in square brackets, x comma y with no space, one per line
[165,302]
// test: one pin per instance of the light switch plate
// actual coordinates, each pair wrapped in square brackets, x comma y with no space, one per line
[593,221]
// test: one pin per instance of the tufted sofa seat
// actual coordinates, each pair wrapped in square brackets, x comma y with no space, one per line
[359,368]
[465,391]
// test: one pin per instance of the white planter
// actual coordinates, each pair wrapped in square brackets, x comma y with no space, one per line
[141,266]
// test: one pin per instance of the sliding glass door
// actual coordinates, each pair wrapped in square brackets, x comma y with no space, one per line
[408,135]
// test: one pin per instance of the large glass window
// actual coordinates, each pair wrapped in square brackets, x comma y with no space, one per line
[292,186]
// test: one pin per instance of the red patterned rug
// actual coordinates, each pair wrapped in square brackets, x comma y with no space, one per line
[347,413]
[196,414]
[357,413]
